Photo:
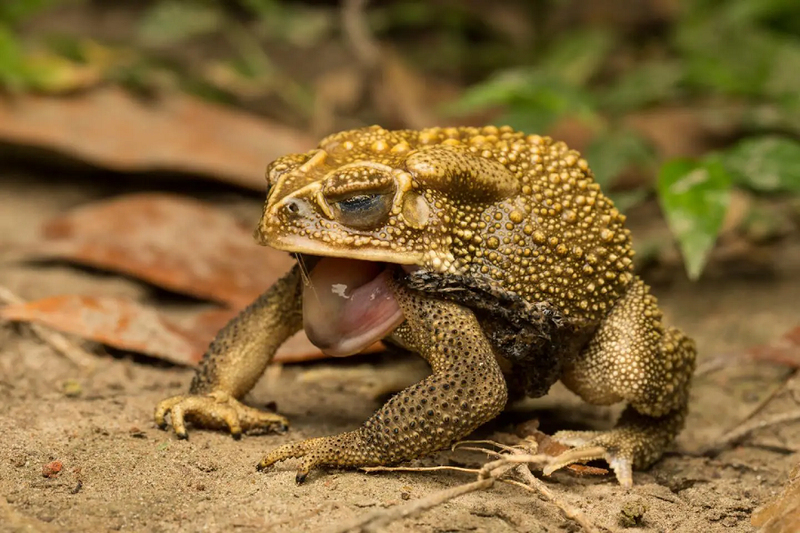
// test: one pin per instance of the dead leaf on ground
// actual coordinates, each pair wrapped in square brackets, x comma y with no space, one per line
[110,128]
[131,326]
[549,446]
[117,322]
[171,241]
[782,513]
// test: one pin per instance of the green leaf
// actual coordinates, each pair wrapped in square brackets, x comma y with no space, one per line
[500,89]
[171,22]
[694,196]
[15,11]
[765,164]
[725,58]
[611,153]
[784,80]
[726,54]
[782,115]
[12,71]
[262,8]
[532,100]
[752,11]
[576,57]
[648,83]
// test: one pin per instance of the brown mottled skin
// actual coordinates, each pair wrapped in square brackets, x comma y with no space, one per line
[525,278]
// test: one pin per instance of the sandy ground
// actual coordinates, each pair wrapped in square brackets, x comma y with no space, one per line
[121,473]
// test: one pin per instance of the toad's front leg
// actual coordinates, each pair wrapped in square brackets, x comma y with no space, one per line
[466,389]
[235,361]
[632,358]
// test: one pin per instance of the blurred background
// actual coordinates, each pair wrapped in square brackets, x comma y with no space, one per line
[134,136]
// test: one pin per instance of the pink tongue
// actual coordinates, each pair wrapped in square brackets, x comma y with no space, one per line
[347,306]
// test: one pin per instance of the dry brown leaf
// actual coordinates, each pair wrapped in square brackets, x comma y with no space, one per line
[549,446]
[117,322]
[131,326]
[110,128]
[171,241]
[782,514]
[553,448]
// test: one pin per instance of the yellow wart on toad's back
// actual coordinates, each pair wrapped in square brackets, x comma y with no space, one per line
[498,259]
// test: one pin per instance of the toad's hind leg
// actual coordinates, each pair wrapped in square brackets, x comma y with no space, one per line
[632,358]
[466,389]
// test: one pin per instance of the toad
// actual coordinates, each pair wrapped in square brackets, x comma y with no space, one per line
[490,253]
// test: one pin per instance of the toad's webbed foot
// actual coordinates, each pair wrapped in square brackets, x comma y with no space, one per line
[216,410]
[637,441]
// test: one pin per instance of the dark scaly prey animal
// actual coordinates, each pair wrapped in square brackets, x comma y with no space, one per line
[493,255]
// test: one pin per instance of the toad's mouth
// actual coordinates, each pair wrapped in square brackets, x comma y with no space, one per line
[348,305]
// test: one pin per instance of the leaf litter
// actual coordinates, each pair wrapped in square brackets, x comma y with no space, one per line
[116,322]
[128,325]
[170,241]
[113,129]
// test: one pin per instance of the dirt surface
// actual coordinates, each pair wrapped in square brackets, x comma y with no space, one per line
[119,472]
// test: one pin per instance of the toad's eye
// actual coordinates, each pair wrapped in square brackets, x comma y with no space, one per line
[360,203]
[362,210]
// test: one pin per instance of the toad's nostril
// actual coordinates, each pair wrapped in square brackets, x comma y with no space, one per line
[293,206]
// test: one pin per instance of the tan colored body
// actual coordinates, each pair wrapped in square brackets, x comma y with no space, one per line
[514,241]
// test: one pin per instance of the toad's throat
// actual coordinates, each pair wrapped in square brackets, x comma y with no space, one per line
[348,305]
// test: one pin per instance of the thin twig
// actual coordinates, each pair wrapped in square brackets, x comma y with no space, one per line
[716,363]
[523,458]
[742,431]
[537,485]
[717,446]
[369,469]
[481,450]
[460,445]
[77,355]
[492,471]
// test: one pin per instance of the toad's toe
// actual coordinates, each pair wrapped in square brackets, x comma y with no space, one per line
[610,446]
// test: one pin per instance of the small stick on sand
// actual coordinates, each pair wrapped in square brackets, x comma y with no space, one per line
[744,429]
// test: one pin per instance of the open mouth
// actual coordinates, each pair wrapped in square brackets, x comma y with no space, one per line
[348,305]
